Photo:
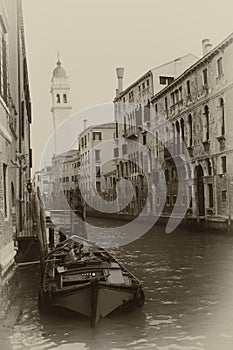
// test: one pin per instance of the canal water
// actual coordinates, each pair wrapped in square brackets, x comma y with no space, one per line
[188,283]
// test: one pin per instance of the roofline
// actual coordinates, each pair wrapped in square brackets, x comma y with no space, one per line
[134,84]
[213,52]
[97,126]
[178,58]
[148,73]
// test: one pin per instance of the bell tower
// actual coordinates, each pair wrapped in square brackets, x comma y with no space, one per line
[60,91]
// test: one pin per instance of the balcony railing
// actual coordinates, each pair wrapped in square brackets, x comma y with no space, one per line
[174,109]
[131,132]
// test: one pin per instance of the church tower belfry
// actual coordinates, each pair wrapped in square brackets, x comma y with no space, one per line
[60,91]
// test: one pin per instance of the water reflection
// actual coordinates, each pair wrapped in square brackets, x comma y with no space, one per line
[189,304]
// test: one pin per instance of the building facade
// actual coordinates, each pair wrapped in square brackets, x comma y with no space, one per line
[197,104]
[92,167]
[132,114]
[15,151]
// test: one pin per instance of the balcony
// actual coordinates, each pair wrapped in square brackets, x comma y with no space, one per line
[190,150]
[131,132]
[206,145]
[219,78]
[189,99]
[205,90]
[222,142]
[177,107]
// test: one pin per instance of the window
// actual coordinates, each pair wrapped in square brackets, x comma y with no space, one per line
[64,98]
[97,171]
[173,199]
[139,116]
[58,98]
[118,170]
[143,86]
[5,190]
[97,155]
[131,95]
[176,95]
[190,131]
[188,87]
[211,195]
[116,152]
[148,82]
[222,117]
[205,76]
[224,164]
[190,196]
[156,108]
[170,80]
[165,104]
[224,196]
[209,167]
[219,67]
[98,186]
[173,98]
[147,112]
[164,80]
[168,201]
[124,149]
[206,124]
[180,93]
[97,136]
[139,88]
[144,139]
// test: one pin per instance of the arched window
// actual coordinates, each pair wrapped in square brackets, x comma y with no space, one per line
[206,124]
[190,131]
[64,98]
[222,116]
[58,98]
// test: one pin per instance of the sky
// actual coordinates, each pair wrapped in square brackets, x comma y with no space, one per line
[96,36]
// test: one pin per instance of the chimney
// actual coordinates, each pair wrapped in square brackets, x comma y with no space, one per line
[85,124]
[178,67]
[120,75]
[206,46]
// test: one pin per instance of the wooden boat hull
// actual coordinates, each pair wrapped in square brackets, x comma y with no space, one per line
[93,285]
[94,300]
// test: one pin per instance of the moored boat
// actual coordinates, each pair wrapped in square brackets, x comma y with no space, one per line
[83,277]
